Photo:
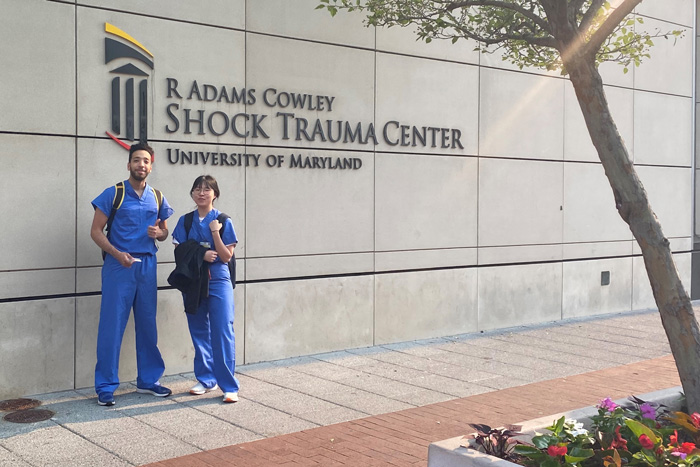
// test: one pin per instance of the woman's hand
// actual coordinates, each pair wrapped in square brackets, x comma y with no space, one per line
[215,226]
[210,256]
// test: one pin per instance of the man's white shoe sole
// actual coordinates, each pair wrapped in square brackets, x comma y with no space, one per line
[196,391]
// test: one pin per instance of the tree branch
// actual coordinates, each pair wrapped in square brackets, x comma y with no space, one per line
[609,25]
[501,4]
[589,15]
[546,41]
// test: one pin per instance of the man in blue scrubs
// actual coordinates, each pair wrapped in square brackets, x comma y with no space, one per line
[129,277]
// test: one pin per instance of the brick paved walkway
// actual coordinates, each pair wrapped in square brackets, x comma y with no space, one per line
[402,438]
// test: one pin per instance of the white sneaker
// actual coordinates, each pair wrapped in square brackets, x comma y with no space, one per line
[199,389]
[230,397]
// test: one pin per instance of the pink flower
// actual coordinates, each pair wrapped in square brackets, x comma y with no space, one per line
[646,442]
[696,419]
[556,451]
[648,411]
[607,404]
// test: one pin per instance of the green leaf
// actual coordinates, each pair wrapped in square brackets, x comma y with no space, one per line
[578,455]
[526,449]
[559,425]
[640,429]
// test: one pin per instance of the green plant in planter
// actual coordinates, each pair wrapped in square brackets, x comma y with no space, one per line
[637,435]
[568,444]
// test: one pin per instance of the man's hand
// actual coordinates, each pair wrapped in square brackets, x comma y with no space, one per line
[154,231]
[210,256]
[125,259]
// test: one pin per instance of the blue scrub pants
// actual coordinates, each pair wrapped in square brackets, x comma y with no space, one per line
[211,329]
[122,289]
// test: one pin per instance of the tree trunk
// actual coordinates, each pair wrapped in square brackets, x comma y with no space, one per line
[633,206]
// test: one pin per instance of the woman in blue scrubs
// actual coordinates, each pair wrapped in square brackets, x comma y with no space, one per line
[211,327]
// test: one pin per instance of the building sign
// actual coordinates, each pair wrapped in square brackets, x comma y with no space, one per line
[184,114]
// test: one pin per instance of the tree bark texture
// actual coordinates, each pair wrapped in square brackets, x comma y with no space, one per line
[633,206]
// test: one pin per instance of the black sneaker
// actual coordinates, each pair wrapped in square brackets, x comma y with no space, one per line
[106,399]
[156,390]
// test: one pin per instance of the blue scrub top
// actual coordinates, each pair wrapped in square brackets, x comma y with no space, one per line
[130,227]
[201,232]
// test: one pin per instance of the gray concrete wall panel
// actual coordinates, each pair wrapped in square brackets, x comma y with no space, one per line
[52,198]
[589,206]
[308,266]
[36,347]
[489,256]
[669,191]
[300,19]
[493,58]
[224,13]
[411,92]
[422,259]
[37,44]
[339,79]
[521,115]
[36,282]
[669,70]
[584,293]
[597,249]
[662,129]
[613,74]
[675,11]
[402,40]
[299,212]
[305,317]
[415,212]
[520,202]
[421,305]
[517,295]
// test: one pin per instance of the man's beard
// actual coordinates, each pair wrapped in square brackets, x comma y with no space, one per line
[137,176]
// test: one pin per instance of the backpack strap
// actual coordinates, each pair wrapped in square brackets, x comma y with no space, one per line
[159,198]
[116,204]
[232,262]
[188,223]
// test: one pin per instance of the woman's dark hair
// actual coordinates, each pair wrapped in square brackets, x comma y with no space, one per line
[206,181]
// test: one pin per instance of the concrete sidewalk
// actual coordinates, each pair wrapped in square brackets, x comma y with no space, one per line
[409,382]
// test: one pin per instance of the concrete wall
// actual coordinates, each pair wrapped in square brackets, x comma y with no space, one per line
[516,227]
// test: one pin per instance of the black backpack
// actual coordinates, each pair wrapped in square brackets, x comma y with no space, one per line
[117,203]
[189,218]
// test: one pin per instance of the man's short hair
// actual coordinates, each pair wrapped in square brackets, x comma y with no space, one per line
[142,147]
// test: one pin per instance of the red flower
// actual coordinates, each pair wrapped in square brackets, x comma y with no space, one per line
[673,439]
[696,419]
[556,451]
[687,448]
[646,442]
[618,442]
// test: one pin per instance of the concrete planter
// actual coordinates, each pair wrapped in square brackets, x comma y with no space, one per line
[450,453]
